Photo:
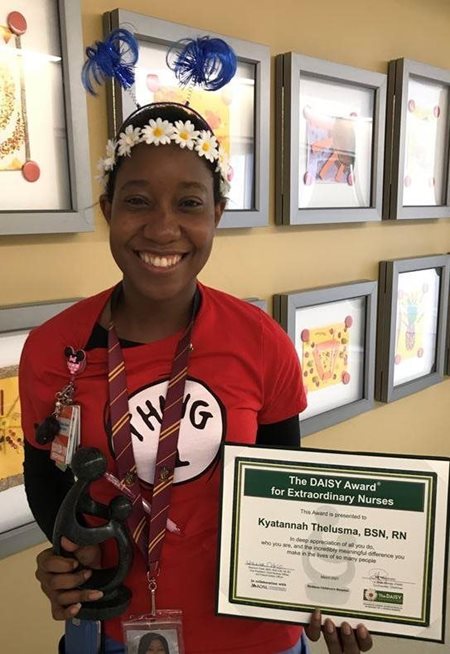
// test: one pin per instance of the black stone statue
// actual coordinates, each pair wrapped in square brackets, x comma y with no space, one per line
[89,464]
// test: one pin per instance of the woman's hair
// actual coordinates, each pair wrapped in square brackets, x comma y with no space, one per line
[147,640]
[172,112]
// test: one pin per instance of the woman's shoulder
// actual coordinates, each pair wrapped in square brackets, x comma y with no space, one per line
[229,309]
[72,326]
[225,304]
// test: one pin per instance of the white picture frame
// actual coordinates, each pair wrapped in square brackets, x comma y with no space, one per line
[333,330]
[330,141]
[18,529]
[411,335]
[249,199]
[44,62]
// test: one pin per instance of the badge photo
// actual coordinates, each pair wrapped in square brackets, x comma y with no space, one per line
[160,634]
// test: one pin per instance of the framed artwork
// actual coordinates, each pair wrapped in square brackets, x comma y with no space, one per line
[45,183]
[17,527]
[262,304]
[333,329]
[330,141]
[411,338]
[238,113]
[447,347]
[417,142]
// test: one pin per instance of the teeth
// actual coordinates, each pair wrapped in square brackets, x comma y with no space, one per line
[160,262]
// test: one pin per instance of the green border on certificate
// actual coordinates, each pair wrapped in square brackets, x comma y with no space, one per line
[362,536]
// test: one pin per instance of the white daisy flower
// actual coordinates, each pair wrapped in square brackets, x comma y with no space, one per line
[370,594]
[127,139]
[101,166]
[157,132]
[110,160]
[185,134]
[102,180]
[207,146]
[223,166]
[102,177]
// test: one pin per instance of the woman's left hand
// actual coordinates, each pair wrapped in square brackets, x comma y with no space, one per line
[342,640]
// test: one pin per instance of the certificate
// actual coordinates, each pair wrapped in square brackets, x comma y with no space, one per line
[363,537]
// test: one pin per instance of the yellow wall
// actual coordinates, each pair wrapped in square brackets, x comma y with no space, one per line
[262,261]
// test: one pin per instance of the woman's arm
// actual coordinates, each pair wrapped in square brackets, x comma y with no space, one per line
[285,433]
[45,486]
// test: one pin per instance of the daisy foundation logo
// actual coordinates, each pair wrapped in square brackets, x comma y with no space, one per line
[370,595]
[382,597]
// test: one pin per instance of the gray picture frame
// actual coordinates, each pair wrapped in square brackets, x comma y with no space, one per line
[162,32]
[447,342]
[290,67]
[18,318]
[79,218]
[400,72]
[285,307]
[447,347]
[257,302]
[389,272]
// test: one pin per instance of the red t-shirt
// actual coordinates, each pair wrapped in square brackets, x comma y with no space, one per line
[243,371]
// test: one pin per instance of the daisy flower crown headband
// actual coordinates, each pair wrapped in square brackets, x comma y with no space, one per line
[163,132]
[206,62]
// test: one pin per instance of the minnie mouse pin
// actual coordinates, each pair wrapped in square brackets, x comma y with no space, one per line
[50,427]
[76,360]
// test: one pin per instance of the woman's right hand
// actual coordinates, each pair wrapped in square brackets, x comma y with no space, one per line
[60,577]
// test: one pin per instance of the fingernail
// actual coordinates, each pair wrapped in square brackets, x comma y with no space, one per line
[87,574]
[329,627]
[95,594]
[362,631]
[74,609]
[346,629]
[316,614]
[75,564]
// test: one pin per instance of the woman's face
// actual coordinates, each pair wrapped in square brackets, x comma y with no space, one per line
[162,220]
[156,647]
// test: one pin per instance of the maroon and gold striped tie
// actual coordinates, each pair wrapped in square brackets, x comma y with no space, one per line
[148,535]
[167,448]
[121,438]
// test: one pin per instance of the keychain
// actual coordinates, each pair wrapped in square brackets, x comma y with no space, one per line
[65,418]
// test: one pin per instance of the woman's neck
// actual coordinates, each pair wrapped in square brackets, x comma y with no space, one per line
[145,320]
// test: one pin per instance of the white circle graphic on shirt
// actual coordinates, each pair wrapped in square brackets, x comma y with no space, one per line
[201,430]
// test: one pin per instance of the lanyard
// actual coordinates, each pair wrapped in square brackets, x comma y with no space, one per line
[148,534]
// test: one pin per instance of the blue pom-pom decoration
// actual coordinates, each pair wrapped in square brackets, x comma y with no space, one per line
[205,61]
[113,58]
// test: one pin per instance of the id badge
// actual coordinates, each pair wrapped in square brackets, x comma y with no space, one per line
[158,634]
[65,443]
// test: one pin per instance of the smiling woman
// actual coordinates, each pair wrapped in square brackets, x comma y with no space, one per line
[162,204]
[171,369]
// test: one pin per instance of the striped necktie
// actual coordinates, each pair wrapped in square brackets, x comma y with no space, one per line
[148,536]
[167,449]
[121,438]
